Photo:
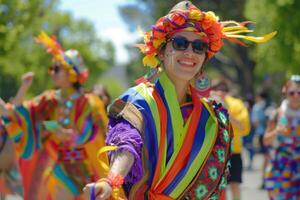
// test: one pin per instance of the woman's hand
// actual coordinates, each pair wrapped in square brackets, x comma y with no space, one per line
[27,79]
[102,191]
[281,129]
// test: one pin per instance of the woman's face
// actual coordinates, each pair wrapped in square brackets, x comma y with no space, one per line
[181,63]
[59,75]
[293,95]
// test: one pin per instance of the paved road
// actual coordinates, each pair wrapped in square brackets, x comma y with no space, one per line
[250,186]
[252,181]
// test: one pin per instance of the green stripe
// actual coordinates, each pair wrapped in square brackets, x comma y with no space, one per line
[210,130]
[175,111]
[143,90]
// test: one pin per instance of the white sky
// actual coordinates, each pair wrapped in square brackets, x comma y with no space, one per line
[105,16]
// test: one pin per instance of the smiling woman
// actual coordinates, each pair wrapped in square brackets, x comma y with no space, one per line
[168,140]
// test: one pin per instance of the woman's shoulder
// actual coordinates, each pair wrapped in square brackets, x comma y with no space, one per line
[216,110]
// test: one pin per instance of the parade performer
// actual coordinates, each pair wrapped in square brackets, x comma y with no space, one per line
[57,134]
[283,174]
[166,140]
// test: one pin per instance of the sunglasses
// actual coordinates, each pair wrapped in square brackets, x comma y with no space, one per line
[180,43]
[55,69]
[294,93]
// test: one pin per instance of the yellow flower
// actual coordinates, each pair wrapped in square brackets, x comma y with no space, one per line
[157,43]
[212,16]
[195,15]
[150,61]
[72,76]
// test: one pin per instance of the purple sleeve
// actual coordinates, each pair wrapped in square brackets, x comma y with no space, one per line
[122,134]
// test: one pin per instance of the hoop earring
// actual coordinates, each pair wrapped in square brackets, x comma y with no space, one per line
[202,84]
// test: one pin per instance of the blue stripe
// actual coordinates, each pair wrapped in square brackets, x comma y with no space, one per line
[86,132]
[150,136]
[170,139]
[197,144]
[29,146]
[60,175]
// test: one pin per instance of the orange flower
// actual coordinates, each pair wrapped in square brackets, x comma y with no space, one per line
[177,18]
[214,32]
[158,34]
[216,45]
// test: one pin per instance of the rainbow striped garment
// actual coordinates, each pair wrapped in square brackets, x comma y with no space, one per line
[46,161]
[183,156]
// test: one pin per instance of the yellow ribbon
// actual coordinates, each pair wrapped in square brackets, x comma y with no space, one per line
[105,149]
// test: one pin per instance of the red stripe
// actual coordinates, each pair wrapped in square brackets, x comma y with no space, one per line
[186,148]
[163,127]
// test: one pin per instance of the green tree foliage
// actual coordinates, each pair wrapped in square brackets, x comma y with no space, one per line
[21,21]
[280,55]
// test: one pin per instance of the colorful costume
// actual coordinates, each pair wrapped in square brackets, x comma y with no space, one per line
[10,179]
[180,151]
[48,160]
[283,173]
[183,149]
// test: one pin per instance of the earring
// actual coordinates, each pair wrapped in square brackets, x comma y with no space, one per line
[202,84]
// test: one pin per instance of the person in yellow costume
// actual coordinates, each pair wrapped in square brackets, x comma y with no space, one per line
[240,121]
[58,133]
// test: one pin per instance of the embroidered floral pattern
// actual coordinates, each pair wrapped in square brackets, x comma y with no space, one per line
[214,175]
[201,191]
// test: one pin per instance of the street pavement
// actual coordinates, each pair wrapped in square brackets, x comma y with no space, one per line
[250,186]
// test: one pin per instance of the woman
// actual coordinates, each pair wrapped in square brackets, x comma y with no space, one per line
[283,174]
[168,142]
[57,134]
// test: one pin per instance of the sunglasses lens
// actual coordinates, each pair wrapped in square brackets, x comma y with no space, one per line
[199,46]
[291,93]
[294,93]
[180,43]
[55,68]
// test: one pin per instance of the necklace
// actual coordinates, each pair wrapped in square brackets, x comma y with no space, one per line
[65,107]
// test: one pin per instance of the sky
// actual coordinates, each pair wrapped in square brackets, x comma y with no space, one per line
[105,16]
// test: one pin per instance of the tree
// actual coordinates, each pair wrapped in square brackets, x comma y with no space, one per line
[21,21]
[282,53]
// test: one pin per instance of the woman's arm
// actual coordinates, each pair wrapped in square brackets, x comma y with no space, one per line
[27,79]
[126,159]
[272,131]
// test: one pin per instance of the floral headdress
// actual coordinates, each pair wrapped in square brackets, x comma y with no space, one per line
[187,17]
[70,59]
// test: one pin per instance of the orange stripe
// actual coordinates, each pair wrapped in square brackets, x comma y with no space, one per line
[163,127]
[185,150]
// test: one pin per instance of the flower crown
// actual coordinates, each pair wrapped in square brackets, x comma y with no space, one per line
[187,17]
[70,59]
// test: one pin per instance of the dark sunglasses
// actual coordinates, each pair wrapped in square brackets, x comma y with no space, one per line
[294,93]
[55,68]
[180,43]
